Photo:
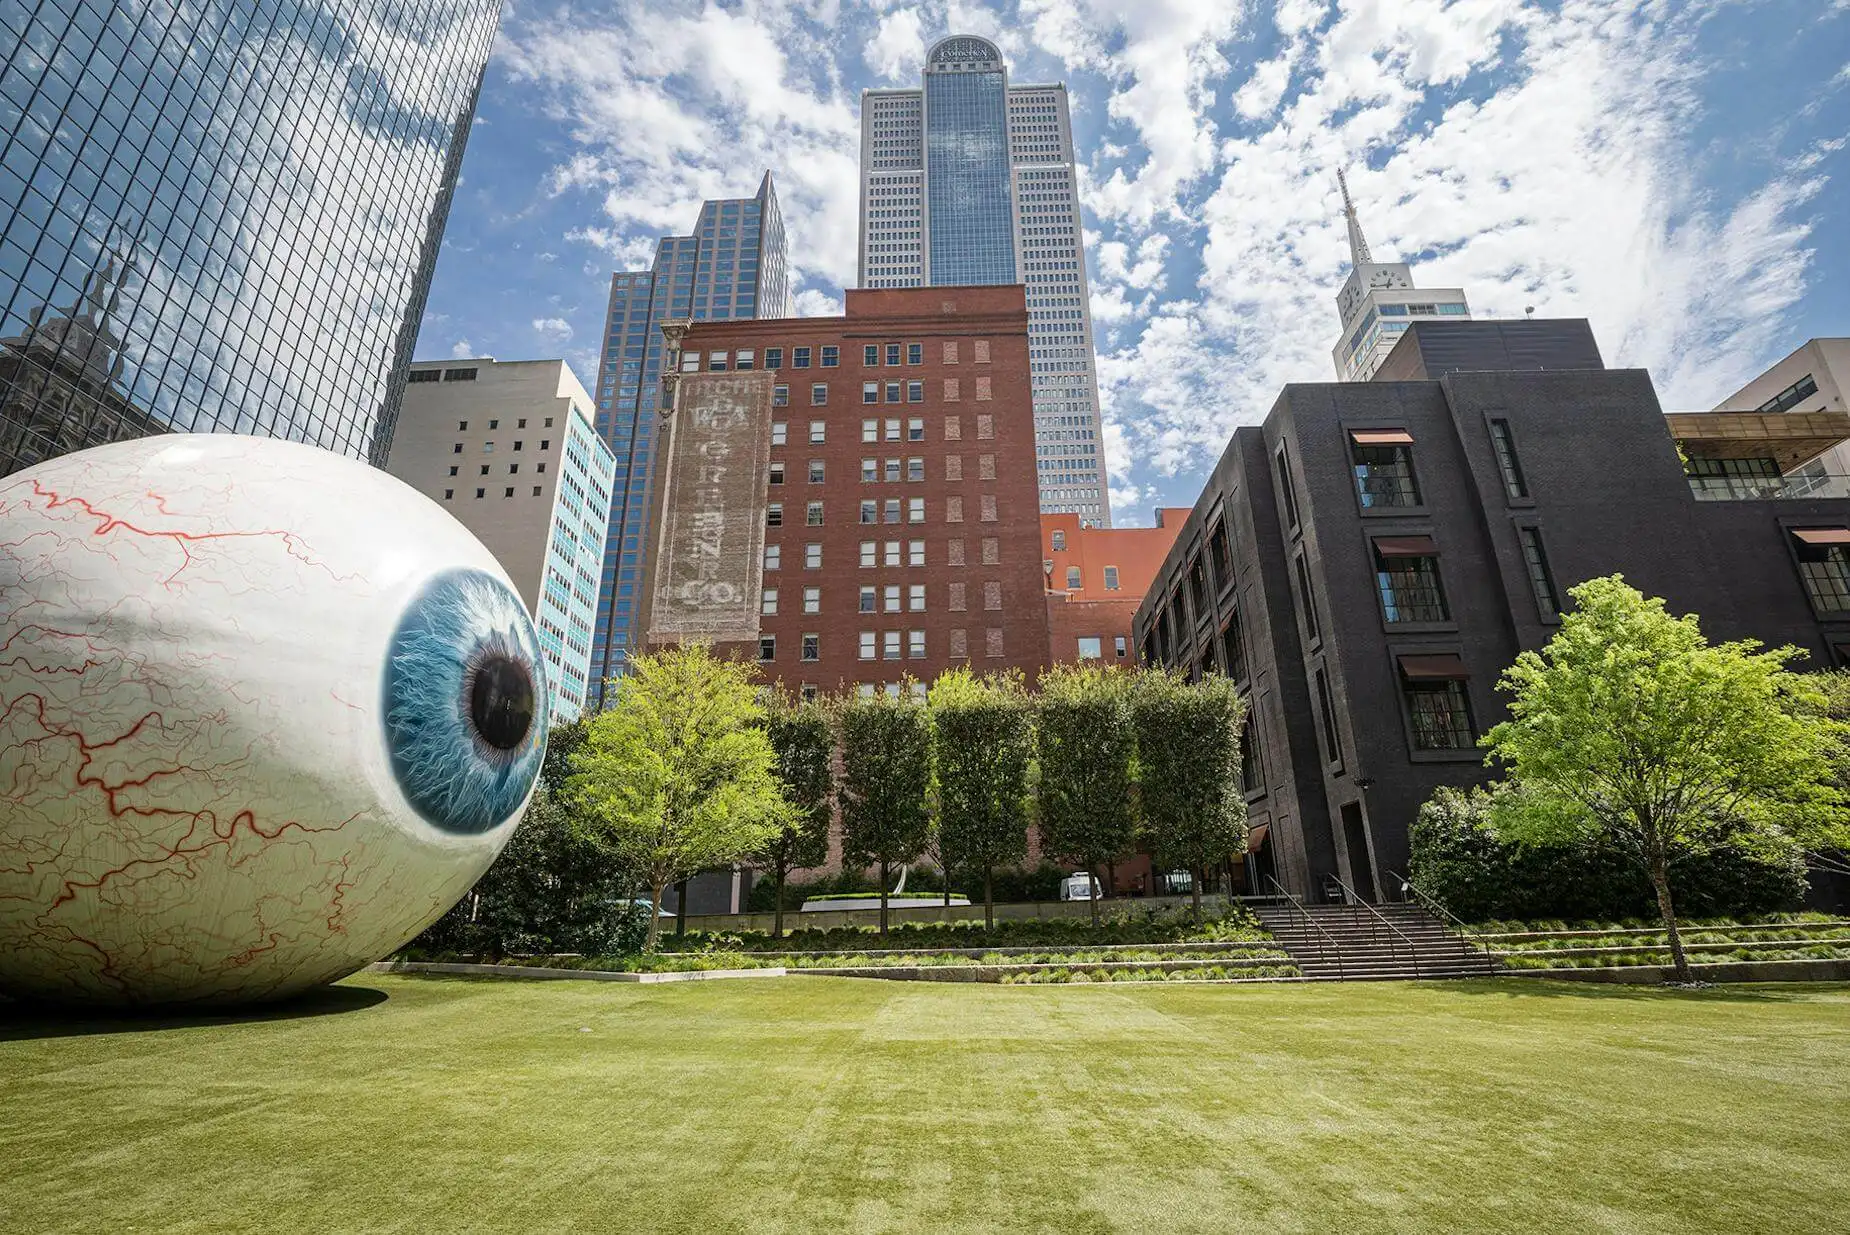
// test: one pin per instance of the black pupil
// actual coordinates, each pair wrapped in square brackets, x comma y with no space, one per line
[501,704]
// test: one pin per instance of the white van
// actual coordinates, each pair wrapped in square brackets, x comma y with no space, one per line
[1080,887]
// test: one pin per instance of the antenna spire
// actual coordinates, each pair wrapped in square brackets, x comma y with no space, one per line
[1358,243]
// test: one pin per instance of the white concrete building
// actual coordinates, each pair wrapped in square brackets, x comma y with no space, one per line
[1814,378]
[1378,301]
[509,448]
[970,180]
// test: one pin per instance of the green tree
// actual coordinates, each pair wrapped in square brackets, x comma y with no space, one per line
[1631,726]
[983,739]
[677,775]
[1188,770]
[886,777]
[804,743]
[1087,751]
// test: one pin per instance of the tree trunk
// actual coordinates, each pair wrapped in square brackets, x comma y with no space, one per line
[1092,892]
[1194,879]
[989,900]
[777,928]
[1660,879]
[655,917]
[680,908]
[883,877]
[1111,879]
[945,868]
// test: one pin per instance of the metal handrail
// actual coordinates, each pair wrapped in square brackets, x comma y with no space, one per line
[1353,900]
[1311,922]
[1428,901]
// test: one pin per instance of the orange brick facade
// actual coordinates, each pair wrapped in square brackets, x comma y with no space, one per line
[903,531]
[1095,580]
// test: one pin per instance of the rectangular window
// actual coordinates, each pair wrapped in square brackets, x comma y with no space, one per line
[915,353]
[915,392]
[1285,488]
[1252,777]
[812,600]
[773,357]
[870,511]
[915,644]
[1540,577]
[818,394]
[1441,715]
[870,392]
[952,393]
[870,430]
[1407,575]
[818,432]
[892,392]
[950,351]
[716,362]
[985,427]
[892,430]
[1513,483]
[890,510]
[953,467]
[870,471]
[767,647]
[915,469]
[1219,556]
[773,556]
[767,602]
[867,644]
[817,471]
[953,510]
[799,358]
[1111,579]
[812,650]
[870,553]
[890,553]
[915,429]
[981,348]
[915,597]
[892,598]
[812,556]
[889,645]
[777,473]
[992,551]
[953,429]
[954,551]
[1383,462]
[831,356]
[812,514]
[956,597]
[870,354]
[1119,647]
[690,362]
[774,515]
[892,353]
[1307,599]
[1091,648]
[915,510]
[870,599]
[1073,580]
[780,433]
[892,471]
[747,360]
[1233,648]
[1326,716]
[992,594]
[915,553]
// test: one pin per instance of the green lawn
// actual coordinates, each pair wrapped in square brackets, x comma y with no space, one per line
[815,1104]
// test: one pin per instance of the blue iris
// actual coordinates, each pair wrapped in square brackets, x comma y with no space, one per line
[465,703]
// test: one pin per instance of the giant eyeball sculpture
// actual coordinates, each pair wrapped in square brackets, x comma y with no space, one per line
[265,714]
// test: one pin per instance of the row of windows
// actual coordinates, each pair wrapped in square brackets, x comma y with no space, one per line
[885,645]
[893,553]
[890,430]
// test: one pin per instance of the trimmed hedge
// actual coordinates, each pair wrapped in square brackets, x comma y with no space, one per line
[1460,860]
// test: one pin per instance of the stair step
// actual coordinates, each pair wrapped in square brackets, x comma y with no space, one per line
[1352,944]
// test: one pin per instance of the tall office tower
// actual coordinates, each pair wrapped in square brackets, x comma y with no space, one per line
[221,216]
[508,448]
[970,180]
[1378,301]
[732,265]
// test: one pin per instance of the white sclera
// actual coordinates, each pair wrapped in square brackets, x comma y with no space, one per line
[198,799]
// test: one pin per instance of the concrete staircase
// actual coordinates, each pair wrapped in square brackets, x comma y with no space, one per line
[1350,943]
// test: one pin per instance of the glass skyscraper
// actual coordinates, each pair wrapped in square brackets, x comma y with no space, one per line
[971,180]
[223,215]
[732,265]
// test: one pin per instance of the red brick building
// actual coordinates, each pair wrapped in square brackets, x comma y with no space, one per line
[852,500]
[1096,578]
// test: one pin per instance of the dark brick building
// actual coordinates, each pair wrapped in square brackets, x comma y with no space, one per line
[1368,561]
[898,501]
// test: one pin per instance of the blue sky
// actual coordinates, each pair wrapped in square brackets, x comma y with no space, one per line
[1673,171]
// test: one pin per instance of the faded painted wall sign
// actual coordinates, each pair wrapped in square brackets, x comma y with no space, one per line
[709,560]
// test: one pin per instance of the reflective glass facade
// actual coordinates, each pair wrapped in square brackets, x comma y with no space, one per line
[223,215]
[733,265]
[968,195]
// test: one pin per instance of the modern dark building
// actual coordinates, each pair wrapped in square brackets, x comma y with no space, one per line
[1368,561]
[733,265]
[240,204]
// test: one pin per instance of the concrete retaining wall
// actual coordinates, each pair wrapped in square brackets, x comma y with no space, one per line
[544,973]
[828,919]
[1723,971]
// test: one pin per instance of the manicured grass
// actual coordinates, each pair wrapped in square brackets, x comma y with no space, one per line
[814,1104]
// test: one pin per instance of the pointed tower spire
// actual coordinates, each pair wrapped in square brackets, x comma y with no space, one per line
[1358,243]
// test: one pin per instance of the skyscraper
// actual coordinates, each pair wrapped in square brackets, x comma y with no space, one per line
[970,180]
[1378,300]
[222,216]
[732,265]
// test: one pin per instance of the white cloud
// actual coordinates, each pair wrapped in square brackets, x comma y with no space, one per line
[812,303]
[462,349]
[897,47]
[554,329]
